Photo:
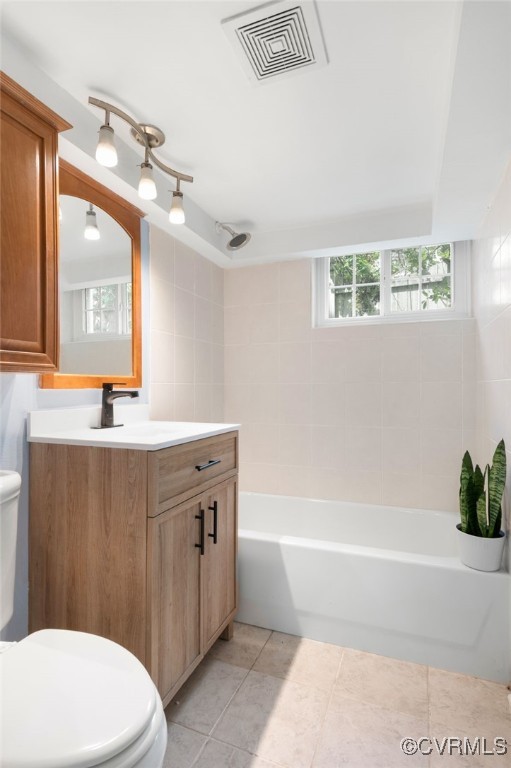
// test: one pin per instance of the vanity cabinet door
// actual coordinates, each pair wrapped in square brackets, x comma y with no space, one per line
[174,563]
[219,566]
[29,224]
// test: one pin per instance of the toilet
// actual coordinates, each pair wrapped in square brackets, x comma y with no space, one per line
[70,699]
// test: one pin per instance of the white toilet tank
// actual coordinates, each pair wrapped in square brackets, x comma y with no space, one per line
[10,484]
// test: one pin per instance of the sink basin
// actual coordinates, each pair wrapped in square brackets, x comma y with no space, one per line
[150,428]
[73,427]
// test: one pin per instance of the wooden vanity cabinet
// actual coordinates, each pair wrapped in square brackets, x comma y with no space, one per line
[122,544]
[192,582]
[29,227]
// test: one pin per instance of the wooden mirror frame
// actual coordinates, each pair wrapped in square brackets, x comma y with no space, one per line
[77,184]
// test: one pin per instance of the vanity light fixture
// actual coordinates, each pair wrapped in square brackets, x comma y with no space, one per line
[176,213]
[150,137]
[146,185]
[91,225]
[106,153]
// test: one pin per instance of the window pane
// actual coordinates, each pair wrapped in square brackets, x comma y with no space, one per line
[343,303]
[436,260]
[405,262]
[436,294]
[109,297]
[341,270]
[405,296]
[128,294]
[91,298]
[93,321]
[368,300]
[367,268]
[108,321]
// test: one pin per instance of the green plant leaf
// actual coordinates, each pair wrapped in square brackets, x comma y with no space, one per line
[496,485]
[473,519]
[467,500]
[481,515]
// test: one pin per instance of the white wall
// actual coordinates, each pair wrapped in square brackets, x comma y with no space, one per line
[187,334]
[492,309]
[378,414]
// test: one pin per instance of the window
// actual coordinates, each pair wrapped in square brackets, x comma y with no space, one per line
[107,309]
[398,284]
[103,310]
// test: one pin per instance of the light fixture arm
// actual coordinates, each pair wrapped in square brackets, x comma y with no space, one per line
[109,108]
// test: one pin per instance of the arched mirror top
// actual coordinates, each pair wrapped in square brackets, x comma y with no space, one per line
[100,286]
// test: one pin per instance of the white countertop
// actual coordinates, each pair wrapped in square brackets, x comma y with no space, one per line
[74,426]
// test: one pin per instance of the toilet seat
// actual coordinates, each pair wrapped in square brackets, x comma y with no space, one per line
[75,700]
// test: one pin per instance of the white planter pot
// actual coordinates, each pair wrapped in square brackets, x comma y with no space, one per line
[480,553]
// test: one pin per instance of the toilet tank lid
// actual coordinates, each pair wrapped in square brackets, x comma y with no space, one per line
[10,483]
[71,699]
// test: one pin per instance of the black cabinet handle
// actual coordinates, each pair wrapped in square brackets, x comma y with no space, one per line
[201,543]
[207,465]
[214,535]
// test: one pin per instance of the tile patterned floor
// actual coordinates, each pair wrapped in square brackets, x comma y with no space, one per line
[269,700]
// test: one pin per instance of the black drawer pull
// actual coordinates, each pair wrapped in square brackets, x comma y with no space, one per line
[207,465]
[214,535]
[201,543]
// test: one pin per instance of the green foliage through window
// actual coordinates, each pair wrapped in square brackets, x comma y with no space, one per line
[107,309]
[397,281]
[355,285]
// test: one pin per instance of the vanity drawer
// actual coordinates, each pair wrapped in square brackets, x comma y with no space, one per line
[179,472]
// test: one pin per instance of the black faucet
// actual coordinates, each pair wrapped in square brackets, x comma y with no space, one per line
[107,404]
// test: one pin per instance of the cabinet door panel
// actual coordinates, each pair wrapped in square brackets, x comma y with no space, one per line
[87,542]
[219,567]
[174,594]
[28,302]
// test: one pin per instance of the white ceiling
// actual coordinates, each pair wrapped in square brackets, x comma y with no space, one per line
[404,133]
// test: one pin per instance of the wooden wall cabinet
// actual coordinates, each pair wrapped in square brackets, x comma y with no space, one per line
[123,545]
[29,229]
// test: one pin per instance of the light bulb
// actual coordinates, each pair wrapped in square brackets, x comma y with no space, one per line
[91,227]
[146,185]
[177,214]
[106,153]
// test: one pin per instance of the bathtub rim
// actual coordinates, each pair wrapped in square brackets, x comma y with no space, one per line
[450,562]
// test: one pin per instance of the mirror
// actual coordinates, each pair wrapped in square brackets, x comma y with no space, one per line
[94,291]
[99,286]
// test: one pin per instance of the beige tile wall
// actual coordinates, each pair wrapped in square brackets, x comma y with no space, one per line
[377,414]
[492,309]
[187,333]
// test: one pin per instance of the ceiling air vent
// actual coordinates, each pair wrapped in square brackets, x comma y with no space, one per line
[277,39]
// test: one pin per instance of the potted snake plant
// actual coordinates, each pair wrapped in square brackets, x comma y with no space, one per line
[481,539]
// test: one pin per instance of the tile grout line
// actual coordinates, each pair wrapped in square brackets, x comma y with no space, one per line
[320,730]
[209,736]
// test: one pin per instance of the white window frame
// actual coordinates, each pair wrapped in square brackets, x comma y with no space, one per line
[460,283]
[79,312]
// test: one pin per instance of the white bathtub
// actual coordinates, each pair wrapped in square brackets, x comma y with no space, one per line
[381,579]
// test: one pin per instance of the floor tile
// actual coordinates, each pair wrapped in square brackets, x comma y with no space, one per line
[183,746]
[468,706]
[304,661]
[361,735]
[279,720]
[204,696]
[244,648]
[396,685]
[217,755]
